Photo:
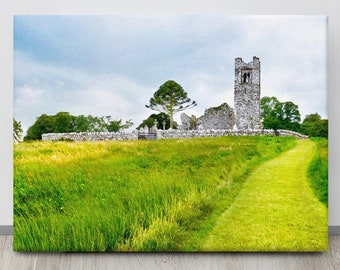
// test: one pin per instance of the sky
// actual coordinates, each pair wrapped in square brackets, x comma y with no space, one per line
[112,65]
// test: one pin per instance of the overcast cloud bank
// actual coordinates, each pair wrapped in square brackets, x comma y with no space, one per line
[112,65]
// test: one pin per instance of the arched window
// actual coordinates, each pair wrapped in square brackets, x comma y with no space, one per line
[246,77]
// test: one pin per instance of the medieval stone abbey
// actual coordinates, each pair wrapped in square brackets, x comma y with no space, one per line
[246,114]
[223,120]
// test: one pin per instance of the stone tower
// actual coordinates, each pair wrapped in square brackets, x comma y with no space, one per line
[247,94]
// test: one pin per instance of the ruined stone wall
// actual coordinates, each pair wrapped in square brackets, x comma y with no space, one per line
[247,94]
[188,122]
[166,134]
[221,117]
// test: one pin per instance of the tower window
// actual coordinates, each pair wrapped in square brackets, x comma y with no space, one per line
[246,76]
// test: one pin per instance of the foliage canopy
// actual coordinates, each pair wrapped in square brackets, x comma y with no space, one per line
[65,122]
[160,118]
[170,98]
[314,126]
[280,115]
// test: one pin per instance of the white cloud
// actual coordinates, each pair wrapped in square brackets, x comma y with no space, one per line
[113,65]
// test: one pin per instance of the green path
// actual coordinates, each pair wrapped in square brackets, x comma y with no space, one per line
[276,209]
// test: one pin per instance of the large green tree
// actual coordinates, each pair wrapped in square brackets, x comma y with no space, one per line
[314,126]
[63,122]
[170,98]
[268,105]
[43,124]
[280,115]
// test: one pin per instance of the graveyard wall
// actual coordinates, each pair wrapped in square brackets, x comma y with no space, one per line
[165,134]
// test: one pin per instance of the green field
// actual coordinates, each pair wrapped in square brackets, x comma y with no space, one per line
[166,195]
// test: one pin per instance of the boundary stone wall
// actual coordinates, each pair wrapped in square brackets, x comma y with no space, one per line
[91,136]
[166,134]
[282,132]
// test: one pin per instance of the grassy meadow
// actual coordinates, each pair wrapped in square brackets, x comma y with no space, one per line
[164,195]
[278,195]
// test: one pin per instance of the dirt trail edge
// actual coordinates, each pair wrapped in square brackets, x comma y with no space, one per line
[276,209]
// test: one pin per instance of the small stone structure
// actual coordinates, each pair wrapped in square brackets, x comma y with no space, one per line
[247,94]
[221,117]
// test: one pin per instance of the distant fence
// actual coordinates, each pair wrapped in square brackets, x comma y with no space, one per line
[165,134]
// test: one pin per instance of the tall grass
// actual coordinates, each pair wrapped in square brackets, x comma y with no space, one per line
[318,171]
[129,195]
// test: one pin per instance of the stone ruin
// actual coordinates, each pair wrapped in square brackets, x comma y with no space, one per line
[188,122]
[247,95]
[221,117]
[244,120]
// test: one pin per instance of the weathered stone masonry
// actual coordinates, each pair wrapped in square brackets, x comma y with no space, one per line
[91,136]
[247,94]
[165,134]
[221,117]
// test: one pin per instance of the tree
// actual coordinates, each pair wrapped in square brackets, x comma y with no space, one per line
[17,130]
[267,105]
[314,126]
[43,124]
[160,118]
[116,125]
[280,115]
[81,123]
[170,98]
[63,122]
[95,124]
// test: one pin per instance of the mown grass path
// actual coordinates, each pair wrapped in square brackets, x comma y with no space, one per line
[276,209]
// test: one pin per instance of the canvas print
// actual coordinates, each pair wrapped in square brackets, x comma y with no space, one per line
[189,133]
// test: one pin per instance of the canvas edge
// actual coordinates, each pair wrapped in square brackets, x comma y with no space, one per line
[6,230]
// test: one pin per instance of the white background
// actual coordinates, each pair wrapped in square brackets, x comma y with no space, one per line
[159,7]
